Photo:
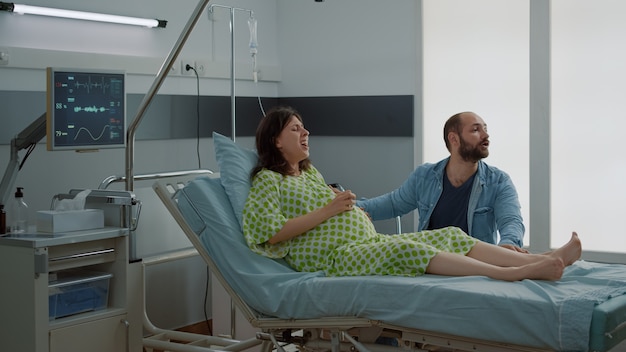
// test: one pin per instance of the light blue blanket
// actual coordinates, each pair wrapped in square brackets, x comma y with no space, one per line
[555,315]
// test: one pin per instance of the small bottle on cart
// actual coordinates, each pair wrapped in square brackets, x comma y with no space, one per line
[19,213]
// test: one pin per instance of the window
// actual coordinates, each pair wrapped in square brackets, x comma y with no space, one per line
[476,58]
[588,166]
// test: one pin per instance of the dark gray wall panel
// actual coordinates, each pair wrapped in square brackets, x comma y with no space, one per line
[179,116]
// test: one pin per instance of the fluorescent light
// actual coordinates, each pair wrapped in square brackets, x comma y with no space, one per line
[89,16]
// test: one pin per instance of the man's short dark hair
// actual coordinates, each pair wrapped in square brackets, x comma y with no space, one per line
[453,124]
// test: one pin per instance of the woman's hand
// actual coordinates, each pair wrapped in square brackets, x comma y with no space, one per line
[343,201]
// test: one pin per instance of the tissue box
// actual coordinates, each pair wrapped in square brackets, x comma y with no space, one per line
[69,220]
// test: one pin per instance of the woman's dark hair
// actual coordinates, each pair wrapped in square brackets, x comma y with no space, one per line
[269,128]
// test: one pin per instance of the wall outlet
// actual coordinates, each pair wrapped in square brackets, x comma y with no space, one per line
[183,68]
[201,67]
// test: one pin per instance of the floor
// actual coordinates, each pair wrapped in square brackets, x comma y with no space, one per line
[203,327]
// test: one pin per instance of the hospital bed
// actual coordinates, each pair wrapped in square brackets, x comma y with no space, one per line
[584,311]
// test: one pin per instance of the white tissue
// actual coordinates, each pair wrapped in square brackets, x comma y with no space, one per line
[70,215]
[77,203]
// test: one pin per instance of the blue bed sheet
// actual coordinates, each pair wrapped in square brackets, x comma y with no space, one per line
[555,315]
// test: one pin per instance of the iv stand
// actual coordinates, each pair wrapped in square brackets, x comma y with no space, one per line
[232,60]
[233,311]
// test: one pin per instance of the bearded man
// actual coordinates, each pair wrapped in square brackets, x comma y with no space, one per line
[460,190]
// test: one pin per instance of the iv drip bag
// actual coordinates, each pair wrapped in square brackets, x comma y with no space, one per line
[253,40]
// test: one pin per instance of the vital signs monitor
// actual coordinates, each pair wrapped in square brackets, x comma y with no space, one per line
[86,109]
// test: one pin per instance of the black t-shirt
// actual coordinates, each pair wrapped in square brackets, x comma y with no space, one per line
[451,209]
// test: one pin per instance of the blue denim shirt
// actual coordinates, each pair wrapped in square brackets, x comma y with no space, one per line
[493,205]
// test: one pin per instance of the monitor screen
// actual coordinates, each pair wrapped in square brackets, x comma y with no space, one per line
[86,109]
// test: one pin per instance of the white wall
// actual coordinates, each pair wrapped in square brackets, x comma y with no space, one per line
[347,47]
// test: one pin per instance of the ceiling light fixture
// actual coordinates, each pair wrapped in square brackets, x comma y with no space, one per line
[89,16]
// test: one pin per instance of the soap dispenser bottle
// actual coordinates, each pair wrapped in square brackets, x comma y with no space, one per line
[19,213]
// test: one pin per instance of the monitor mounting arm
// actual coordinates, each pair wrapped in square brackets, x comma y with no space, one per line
[29,136]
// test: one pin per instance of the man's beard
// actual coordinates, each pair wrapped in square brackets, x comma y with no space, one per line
[473,154]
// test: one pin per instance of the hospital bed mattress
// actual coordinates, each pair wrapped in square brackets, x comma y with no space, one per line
[583,311]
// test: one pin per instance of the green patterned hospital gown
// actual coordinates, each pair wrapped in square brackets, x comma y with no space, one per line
[344,245]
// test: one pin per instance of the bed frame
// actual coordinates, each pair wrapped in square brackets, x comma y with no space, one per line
[328,334]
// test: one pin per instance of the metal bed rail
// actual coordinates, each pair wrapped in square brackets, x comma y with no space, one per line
[153,176]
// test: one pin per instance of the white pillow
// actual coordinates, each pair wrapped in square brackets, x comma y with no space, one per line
[235,164]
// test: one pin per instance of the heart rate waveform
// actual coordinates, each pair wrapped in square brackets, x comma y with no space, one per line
[113,133]
[89,86]
[96,84]
[93,109]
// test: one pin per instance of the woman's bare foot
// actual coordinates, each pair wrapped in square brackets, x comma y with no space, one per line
[569,252]
[549,269]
